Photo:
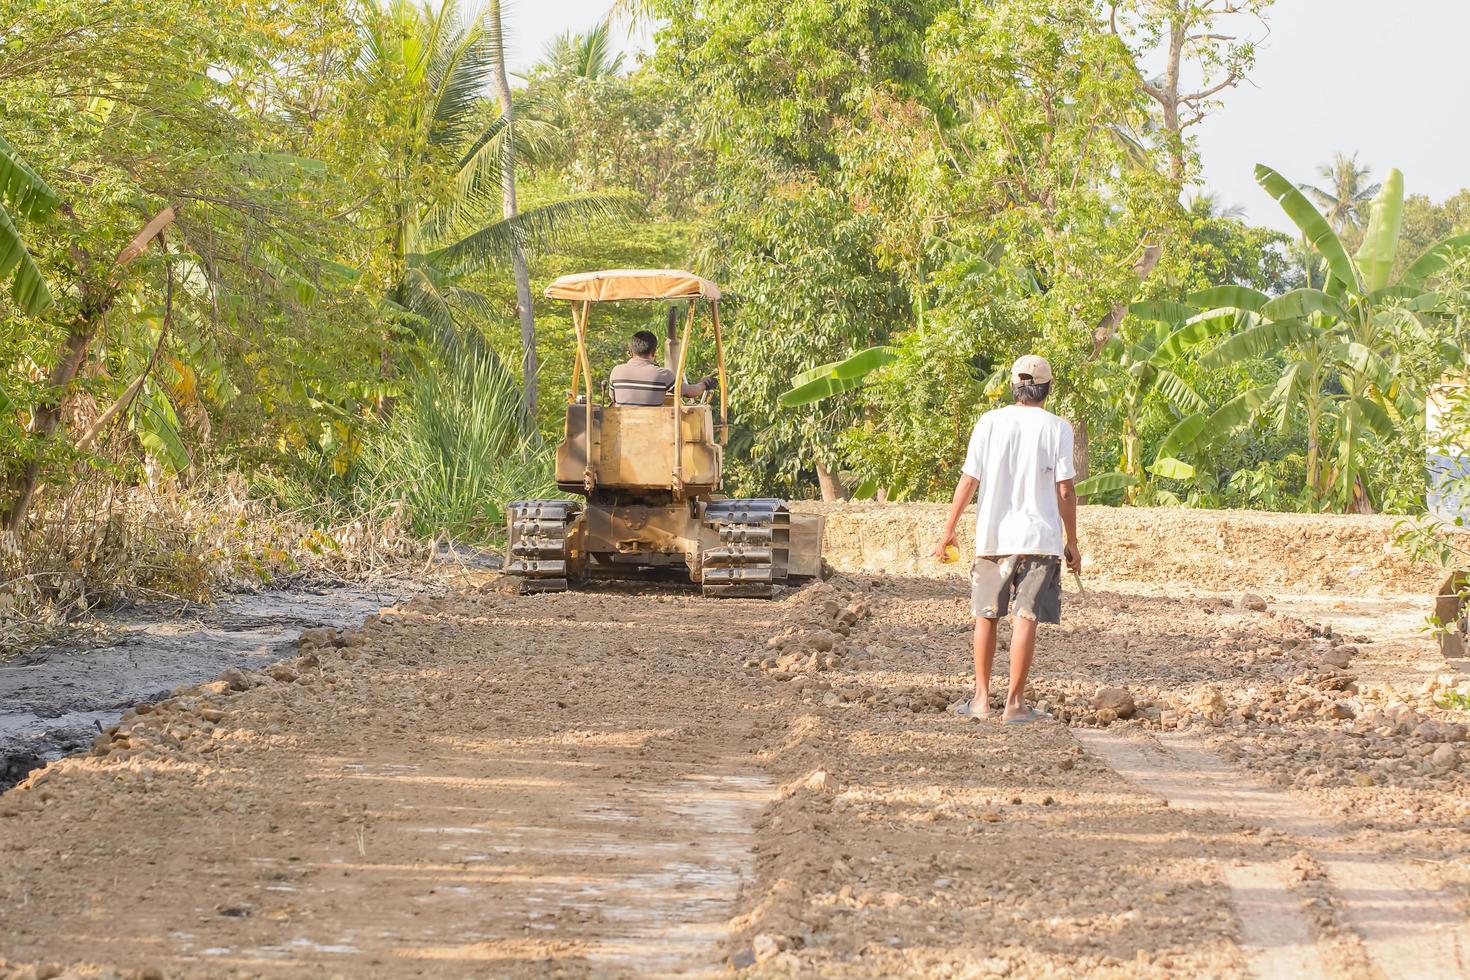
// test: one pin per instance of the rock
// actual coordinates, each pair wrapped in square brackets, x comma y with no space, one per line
[236,679]
[282,673]
[766,945]
[211,714]
[1445,758]
[820,781]
[1115,699]
[217,688]
[1251,601]
[321,636]
[743,959]
[1338,657]
[1209,701]
[1338,711]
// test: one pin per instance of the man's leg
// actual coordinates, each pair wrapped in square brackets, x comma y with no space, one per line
[1023,650]
[984,661]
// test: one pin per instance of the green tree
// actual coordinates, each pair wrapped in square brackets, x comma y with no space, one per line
[449,198]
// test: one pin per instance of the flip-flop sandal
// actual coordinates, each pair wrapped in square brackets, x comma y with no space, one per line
[1026,718]
[964,710]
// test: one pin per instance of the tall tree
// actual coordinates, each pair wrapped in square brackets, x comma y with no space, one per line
[1345,194]
[586,55]
[520,268]
[1202,57]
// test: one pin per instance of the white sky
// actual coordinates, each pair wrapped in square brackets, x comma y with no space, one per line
[1385,78]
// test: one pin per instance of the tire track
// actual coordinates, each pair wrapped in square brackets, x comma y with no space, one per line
[1410,926]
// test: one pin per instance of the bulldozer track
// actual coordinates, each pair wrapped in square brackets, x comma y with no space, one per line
[751,560]
[541,543]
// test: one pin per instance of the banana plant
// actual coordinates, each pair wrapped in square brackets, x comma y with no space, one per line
[30,197]
[1136,371]
[1342,374]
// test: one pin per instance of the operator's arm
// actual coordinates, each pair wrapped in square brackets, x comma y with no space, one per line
[698,388]
[1067,505]
[964,492]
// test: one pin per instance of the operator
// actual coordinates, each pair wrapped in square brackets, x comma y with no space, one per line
[640,381]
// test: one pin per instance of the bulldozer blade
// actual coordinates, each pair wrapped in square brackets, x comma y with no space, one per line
[741,590]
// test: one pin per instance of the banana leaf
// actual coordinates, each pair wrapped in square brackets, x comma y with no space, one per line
[1435,259]
[1185,434]
[1255,342]
[1381,241]
[1374,415]
[29,195]
[1105,483]
[1311,223]
[1171,469]
[833,378]
[1186,338]
[1301,303]
[1233,297]
[1162,310]
[158,429]
[1239,410]
[1385,293]
[1288,390]
[1178,392]
[27,285]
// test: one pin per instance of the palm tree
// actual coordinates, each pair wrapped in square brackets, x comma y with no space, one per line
[1206,204]
[429,68]
[586,56]
[1344,202]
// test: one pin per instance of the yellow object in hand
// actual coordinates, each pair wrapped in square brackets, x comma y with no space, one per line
[951,555]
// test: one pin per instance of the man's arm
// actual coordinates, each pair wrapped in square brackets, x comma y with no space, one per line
[964,492]
[698,388]
[1067,504]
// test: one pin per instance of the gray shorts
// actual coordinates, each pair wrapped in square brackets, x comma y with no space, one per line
[1029,586]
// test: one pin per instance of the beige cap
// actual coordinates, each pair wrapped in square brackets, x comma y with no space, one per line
[1030,369]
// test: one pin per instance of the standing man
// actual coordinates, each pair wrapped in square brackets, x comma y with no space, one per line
[1021,459]
[640,381]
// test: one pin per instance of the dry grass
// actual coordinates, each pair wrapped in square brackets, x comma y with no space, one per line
[103,544]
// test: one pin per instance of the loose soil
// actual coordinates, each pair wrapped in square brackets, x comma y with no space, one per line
[643,782]
[54,700]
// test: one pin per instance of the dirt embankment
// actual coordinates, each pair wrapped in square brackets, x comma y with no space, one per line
[1215,550]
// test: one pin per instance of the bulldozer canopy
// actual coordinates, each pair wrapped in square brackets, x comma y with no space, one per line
[619,284]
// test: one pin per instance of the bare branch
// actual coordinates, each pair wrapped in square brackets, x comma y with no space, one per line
[1230,80]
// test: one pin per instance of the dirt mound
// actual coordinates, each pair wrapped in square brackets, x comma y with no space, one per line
[1218,550]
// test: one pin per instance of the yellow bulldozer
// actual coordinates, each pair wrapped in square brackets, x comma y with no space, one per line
[651,475]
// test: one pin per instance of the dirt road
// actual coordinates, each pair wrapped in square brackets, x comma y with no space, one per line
[647,783]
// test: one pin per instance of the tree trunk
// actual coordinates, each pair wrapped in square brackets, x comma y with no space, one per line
[520,269]
[1081,449]
[21,484]
[45,417]
[831,484]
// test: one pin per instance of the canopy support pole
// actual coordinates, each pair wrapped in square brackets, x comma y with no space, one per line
[714,312]
[678,484]
[589,472]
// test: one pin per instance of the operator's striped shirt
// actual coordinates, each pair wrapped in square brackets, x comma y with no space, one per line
[639,381]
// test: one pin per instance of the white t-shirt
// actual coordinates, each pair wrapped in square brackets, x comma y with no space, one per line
[1019,454]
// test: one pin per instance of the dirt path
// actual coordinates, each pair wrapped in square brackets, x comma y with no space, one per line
[647,783]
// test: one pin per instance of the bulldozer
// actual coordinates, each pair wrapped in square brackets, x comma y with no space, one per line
[650,477]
